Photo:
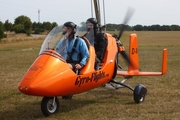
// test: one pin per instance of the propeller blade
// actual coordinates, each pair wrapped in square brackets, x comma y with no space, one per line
[126,20]
[125,56]
[122,28]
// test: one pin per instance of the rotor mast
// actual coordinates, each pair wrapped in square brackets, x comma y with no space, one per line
[97,12]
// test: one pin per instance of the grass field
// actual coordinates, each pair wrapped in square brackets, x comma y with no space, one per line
[162,100]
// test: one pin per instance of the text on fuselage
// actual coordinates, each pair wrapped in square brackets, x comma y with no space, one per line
[134,51]
[96,76]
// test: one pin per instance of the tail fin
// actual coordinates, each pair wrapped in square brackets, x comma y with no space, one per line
[164,61]
[133,68]
[133,54]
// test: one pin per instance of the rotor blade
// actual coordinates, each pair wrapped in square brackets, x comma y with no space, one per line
[127,18]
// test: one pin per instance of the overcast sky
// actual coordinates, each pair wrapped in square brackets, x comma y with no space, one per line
[147,12]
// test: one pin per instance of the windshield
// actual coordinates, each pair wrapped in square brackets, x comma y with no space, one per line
[55,36]
[52,39]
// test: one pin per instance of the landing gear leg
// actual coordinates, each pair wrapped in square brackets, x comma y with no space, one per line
[139,91]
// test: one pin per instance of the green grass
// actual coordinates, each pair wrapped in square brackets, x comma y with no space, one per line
[162,100]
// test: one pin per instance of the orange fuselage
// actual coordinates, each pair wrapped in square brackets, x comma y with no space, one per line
[49,75]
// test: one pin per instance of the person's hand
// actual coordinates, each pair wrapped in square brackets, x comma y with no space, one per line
[78,66]
[70,66]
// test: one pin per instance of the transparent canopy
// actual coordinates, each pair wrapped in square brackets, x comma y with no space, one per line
[55,35]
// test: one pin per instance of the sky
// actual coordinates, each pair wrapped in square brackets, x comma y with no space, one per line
[146,12]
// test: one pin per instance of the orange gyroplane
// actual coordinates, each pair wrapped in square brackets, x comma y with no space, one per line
[50,76]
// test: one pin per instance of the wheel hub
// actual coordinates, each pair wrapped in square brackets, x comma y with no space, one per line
[51,107]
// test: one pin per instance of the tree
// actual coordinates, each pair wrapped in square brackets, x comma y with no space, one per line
[47,26]
[112,27]
[8,26]
[1,30]
[24,24]
[128,28]
[19,28]
[165,28]
[37,27]
[54,24]
[175,27]
[138,27]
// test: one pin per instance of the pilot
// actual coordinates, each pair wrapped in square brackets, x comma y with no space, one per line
[73,49]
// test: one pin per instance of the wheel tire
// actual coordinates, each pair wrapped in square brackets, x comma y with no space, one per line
[47,106]
[67,97]
[139,93]
[138,99]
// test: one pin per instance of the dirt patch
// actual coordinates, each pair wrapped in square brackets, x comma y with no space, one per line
[13,37]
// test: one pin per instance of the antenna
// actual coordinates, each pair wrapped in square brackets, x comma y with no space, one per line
[38,16]
[104,18]
[92,8]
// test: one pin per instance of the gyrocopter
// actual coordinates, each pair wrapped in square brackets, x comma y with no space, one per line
[50,76]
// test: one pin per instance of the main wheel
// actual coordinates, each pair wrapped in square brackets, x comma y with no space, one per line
[49,105]
[139,93]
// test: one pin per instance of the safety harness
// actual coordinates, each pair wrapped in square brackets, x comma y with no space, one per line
[73,51]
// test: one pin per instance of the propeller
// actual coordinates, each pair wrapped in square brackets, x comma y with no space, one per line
[126,20]
[122,28]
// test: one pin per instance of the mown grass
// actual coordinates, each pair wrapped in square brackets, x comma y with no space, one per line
[162,100]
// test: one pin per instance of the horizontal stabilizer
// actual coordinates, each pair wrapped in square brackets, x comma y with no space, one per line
[138,73]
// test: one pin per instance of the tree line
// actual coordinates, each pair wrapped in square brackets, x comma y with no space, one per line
[112,27]
[23,24]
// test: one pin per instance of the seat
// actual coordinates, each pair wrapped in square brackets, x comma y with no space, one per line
[89,67]
[86,41]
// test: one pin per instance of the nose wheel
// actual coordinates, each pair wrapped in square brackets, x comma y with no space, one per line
[49,105]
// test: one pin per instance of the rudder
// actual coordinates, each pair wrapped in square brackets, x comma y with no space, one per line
[133,54]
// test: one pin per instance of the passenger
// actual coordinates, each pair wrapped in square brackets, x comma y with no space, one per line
[97,39]
[73,49]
